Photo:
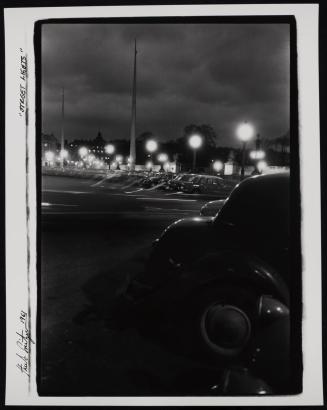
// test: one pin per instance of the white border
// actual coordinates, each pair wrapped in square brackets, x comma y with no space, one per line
[19,26]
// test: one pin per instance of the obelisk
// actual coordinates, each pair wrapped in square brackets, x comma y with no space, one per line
[132,151]
[62,145]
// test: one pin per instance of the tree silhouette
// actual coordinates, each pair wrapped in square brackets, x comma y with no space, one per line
[207,132]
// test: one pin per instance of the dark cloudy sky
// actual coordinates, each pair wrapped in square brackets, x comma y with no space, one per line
[217,74]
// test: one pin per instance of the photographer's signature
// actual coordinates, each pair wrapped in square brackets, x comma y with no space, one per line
[23,344]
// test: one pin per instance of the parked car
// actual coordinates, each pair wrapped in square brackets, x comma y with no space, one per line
[212,208]
[224,281]
[203,184]
[161,179]
[176,183]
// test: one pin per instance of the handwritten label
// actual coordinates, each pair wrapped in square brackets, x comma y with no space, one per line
[23,344]
[22,85]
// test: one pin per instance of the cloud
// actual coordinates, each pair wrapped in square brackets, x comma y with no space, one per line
[217,74]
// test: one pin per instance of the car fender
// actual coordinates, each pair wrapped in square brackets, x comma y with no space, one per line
[236,268]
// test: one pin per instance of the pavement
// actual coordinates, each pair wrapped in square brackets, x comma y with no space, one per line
[94,237]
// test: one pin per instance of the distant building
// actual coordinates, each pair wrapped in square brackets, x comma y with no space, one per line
[48,143]
[95,147]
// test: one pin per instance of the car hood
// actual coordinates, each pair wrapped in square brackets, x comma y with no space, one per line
[187,238]
[191,223]
[211,208]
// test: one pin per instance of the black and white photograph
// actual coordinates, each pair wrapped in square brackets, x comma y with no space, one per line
[166,161]
[167,195]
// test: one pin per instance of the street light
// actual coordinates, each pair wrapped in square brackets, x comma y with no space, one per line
[195,142]
[162,158]
[91,159]
[244,132]
[149,165]
[257,154]
[261,166]
[151,146]
[218,166]
[109,149]
[49,156]
[63,154]
[83,151]
[119,160]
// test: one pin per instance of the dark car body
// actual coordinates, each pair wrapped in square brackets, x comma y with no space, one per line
[203,184]
[212,208]
[228,276]
[176,183]
[161,178]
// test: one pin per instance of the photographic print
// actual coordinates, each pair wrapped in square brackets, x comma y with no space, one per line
[151,126]
[165,208]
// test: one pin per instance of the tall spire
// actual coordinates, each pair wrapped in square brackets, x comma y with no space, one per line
[62,145]
[132,151]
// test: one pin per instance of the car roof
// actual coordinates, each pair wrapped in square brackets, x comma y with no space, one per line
[209,176]
[259,203]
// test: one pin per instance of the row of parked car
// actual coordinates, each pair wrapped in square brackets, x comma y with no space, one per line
[189,183]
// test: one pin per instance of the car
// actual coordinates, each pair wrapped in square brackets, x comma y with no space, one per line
[212,208]
[224,281]
[203,184]
[176,183]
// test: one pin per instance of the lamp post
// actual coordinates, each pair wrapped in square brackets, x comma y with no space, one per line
[162,158]
[149,166]
[195,142]
[151,146]
[109,149]
[261,166]
[245,133]
[49,157]
[218,166]
[119,160]
[257,155]
[82,152]
[63,155]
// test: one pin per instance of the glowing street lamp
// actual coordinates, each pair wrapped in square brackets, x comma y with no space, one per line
[244,132]
[91,159]
[83,151]
[166,166]
[257,154]
[149,166]
[109,149]
[195,142]
[151,146]
[261,166]
[162,158]
[49,156]
[63,154]
[218,166]
[119,160]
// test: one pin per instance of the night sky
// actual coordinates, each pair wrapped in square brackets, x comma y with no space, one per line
[216,74]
